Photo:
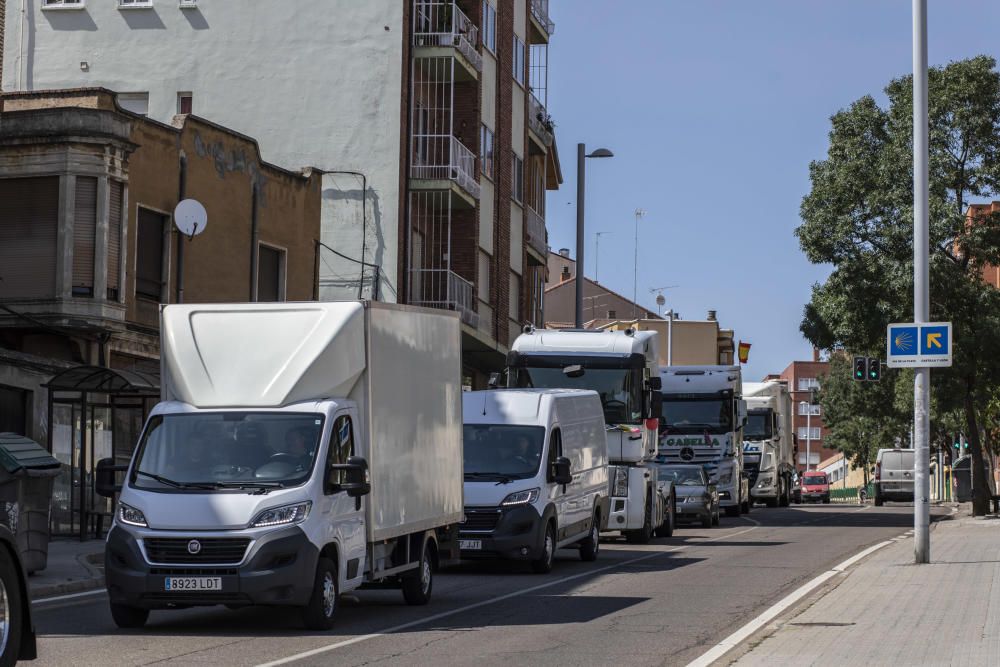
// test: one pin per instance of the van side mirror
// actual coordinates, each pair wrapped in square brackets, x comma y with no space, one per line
[105,482]
[355,477]
[561,473]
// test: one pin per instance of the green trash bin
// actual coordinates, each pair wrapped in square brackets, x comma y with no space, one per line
[27,474]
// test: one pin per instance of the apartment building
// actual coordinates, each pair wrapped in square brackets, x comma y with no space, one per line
[694,342]
[974,215]
[88,252]
[804,379]
[428,118]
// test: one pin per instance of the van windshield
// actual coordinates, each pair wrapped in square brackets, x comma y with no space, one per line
[812,480]
[223,450]
[502,451]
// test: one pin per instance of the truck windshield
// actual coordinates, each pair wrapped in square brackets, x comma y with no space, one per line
[222,450]
[688,415]
[502,451]
[620,389]
[758,426]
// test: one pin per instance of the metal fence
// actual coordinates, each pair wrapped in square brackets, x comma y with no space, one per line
[444,289]
[540,10]
[437,23]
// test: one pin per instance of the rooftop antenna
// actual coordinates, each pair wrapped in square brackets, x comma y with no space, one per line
[660,299]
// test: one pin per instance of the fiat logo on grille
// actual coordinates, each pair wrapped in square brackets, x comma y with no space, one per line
[194,547]
[687,454]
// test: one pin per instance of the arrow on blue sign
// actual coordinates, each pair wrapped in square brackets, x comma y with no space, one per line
[934,340]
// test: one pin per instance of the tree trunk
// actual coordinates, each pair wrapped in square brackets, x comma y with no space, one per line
[980,487]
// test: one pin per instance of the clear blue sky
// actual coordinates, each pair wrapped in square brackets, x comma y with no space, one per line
[714,110]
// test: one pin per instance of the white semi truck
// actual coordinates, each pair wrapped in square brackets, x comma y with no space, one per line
[769,442]
[300,451]
[702,422]
[621,366]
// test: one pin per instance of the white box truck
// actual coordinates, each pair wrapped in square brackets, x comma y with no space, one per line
[769,442]
[536,474]
[703,417]
[300,451]
[621,366]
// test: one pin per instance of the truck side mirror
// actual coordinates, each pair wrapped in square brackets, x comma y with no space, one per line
[655,404]
[494,380]
[655,383]
[355,476]
[105,484]
[561,473]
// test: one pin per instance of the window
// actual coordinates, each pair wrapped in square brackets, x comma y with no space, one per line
[149,255]
[518,60]
[555,447]
[489,26]
[812,409]
[62,4]
[135,102]
[484,277]
[270,274]
[486,163]
[189,4]
[341,448]
[612,315]
[517,179]
[805,384]
[134,4]
[184,103]
[84,235]
[29,223]
[805,435]
[116,201]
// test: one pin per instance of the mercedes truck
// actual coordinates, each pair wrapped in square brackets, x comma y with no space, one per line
[769,442]
[621,366]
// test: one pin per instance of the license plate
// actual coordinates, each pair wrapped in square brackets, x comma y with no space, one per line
[470,545]
[192,584]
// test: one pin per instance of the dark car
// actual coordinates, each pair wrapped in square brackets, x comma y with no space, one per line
[697,497]
[17,633]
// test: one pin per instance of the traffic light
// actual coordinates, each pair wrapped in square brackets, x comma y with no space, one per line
[860,368]
[874,369]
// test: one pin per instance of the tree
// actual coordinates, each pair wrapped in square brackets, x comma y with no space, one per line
[858,217]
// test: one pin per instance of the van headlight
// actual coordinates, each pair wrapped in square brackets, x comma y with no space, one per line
[131,516]
[286,515]
[619,482]
[525,497]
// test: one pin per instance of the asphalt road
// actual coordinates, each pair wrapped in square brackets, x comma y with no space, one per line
[661,604]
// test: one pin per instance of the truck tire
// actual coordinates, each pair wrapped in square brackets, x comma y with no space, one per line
[417,586]
[319,612]
[591,546]
[784,499]
[644,534]
[10,593]
[666,529]
[746,505]
[127,617]
[543,564]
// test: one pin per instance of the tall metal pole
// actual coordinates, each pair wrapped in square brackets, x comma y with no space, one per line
[635,268]
[921,286]
[670,338]
[581,152]
[809,435]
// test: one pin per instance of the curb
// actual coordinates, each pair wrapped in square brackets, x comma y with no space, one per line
[91,563]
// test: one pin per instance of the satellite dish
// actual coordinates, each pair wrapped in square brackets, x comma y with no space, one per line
[190,217]
[660,300]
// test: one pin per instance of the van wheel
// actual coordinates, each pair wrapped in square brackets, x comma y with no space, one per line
[543,564]
[322,607]
[417,587]
[644,534]
[12,612]
[128,617]
[591,546]
[878,499]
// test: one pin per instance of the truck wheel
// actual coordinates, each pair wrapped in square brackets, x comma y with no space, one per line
[715,517]
[590,547]
[784,500]
[417,587]
[128,617]
[543,564]
[322,607]
[644,534]
[745,507]
[12,612]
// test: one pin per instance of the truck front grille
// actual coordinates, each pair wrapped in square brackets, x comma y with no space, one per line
[179,550]
[480,520]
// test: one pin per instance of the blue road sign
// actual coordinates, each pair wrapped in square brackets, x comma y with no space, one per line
[911,345]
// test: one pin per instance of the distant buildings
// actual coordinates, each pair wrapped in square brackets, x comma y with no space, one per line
[804,379]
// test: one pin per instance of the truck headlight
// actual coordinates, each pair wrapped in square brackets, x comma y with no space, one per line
[286,515]
[526,497]
[619,482]
[131,516]
[765,481]
[726,477]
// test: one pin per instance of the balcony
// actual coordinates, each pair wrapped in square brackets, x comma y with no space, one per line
[446,290]
[442,157]
[541,23]
[539,123]
[442,25]
[535,230]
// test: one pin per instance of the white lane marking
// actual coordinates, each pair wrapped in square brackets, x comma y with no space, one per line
[499,598]
[70,596]
[770,614]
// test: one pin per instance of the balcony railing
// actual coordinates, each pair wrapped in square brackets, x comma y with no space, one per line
[535,228]
[444,24]
[443,157]
[539,121]
[540,10]
[444,289]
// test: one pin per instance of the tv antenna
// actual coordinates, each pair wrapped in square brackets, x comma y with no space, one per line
[658,291]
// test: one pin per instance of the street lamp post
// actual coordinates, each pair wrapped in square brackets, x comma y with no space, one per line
[639,213]
[808,409]
[581,156]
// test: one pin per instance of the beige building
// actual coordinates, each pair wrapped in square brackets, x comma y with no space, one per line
[695,343]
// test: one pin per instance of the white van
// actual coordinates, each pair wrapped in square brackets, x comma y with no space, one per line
[536,474]
[894,475]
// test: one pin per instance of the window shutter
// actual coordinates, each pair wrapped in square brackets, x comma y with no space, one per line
[115,239]
[84,235]
[29,217]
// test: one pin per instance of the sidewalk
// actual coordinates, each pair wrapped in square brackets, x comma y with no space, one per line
[73,567]
[888,611]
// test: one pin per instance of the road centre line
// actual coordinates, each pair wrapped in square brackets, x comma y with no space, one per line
[494,600]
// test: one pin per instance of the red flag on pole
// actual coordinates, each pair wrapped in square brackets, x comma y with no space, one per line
[744,352]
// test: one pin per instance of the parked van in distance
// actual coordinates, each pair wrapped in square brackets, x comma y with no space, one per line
[894,475]
[536,474]
[815,487]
